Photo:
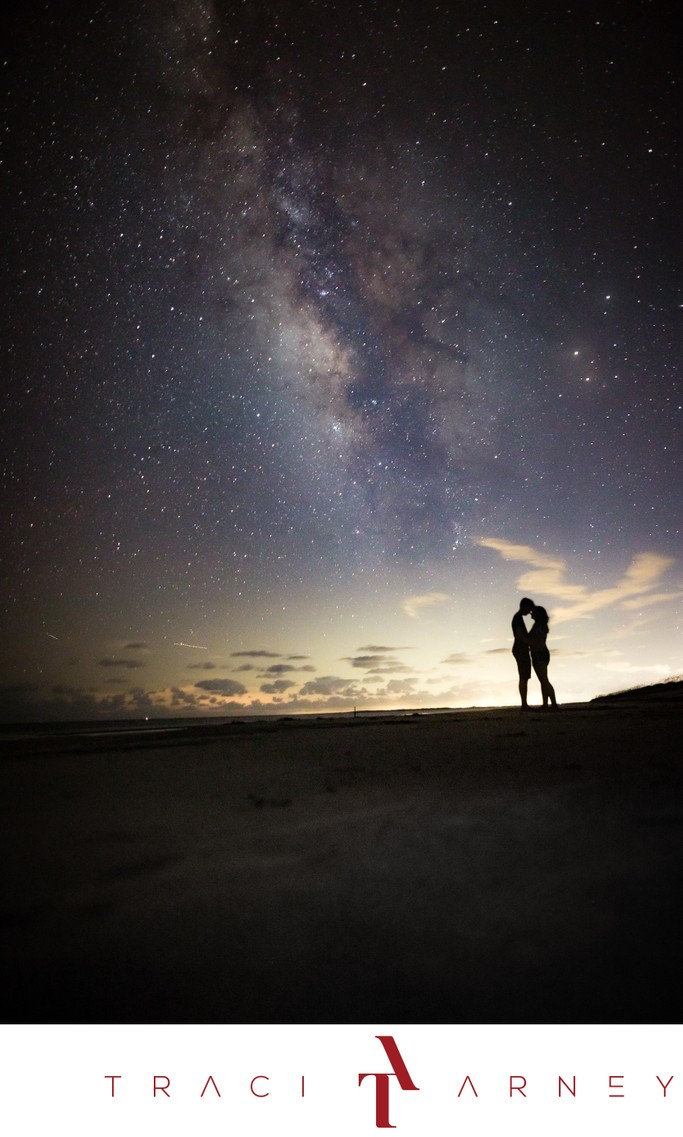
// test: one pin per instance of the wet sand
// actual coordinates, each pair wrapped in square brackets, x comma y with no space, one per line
[467,867]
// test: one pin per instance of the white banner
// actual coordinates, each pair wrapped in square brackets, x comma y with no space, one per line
[340,1080]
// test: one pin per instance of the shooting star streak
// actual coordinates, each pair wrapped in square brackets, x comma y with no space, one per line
[49,634]
[196,647]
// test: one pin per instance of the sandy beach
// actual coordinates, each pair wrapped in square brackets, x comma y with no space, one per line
[468,867]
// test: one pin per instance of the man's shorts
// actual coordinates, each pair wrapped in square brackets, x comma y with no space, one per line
[523,662]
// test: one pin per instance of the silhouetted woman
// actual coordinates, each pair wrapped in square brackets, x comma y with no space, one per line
[540,656]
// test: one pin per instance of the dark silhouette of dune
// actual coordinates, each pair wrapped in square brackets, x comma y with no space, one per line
[668,689]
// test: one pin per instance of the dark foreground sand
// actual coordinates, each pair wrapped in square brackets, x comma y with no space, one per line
[469,867]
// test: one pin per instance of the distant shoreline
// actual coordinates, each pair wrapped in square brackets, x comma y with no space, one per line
[668,690]
[126,732]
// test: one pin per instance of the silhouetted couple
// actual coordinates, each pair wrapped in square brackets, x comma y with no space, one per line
[529,649]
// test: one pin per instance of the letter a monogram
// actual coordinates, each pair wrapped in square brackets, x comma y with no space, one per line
[399,1070]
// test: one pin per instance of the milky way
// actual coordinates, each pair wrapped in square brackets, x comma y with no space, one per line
[354,291]
[313,293]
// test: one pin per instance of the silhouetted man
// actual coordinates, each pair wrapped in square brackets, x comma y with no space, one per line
[520,647]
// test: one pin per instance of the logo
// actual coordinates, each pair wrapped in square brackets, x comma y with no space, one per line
[399,1070]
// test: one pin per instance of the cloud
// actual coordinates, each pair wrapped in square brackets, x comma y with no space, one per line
[280,669]
[18,690]
[397,687]
[365,661]
[332,685]
[457,657]
[413,605]
[381,648]
[526,553]
[221,686]
[202,666]
[648,601]
[36,703]
[547,578]
[129,664]
[136,647]
[259,654]
[180,698]
[376,664]
[141,700]
[547,575]
[58,702]
[277,687]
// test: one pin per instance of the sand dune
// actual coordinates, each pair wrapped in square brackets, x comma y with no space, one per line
[474,866]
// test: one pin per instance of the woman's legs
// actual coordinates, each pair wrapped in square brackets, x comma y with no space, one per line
[548,692]
[547,689]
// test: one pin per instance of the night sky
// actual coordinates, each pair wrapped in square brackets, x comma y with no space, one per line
[330,330]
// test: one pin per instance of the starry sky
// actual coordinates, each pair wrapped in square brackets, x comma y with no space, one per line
[330,330]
